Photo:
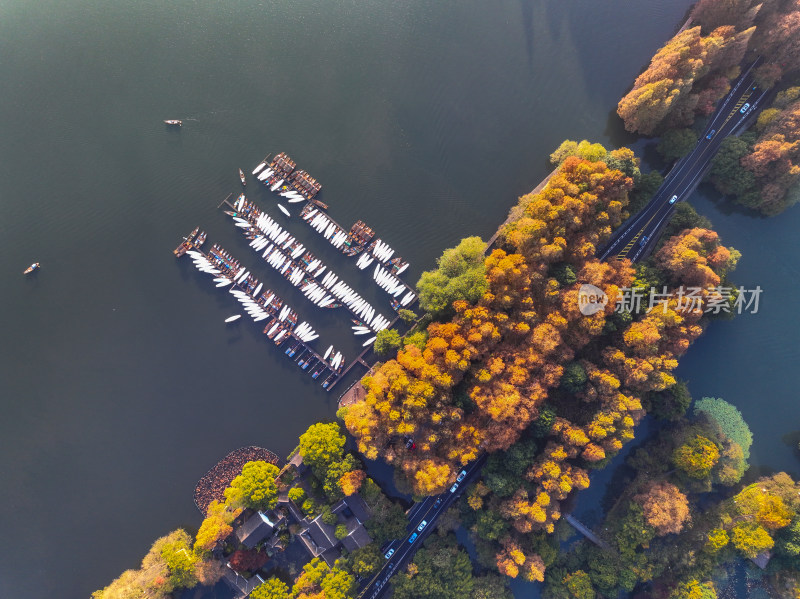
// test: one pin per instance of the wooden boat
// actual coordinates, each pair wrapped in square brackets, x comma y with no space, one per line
[31,268]
[175,122]
[241,177]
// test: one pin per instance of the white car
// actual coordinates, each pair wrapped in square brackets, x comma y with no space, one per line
[461,476]
[422,525]
[673,199]
[744,108]
[389,553]
[453,488]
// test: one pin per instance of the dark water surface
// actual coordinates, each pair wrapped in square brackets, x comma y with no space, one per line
[426,118]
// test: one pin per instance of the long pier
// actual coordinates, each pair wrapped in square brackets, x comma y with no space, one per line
[298,350]
[359,360]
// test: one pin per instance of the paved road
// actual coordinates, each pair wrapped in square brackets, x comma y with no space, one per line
[637,237]
[428,511]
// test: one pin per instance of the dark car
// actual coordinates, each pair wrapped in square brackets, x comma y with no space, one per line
[644,240]
[711,134]
[413,538]
[438,502]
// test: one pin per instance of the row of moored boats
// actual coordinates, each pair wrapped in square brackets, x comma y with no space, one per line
[281,326]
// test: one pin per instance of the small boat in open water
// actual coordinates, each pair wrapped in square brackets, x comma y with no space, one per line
[241,177]
[284,210]
[232,318]
[175,122]
[31,268]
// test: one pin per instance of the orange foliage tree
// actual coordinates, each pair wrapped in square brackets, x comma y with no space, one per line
[665,508]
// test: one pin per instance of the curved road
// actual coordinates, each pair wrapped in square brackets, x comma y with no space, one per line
[637,237]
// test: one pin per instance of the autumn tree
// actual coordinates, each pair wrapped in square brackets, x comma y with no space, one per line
[665,508]
[247,560]
[694,589]
[696,457]
[215,527]
[167,567]
[695,258]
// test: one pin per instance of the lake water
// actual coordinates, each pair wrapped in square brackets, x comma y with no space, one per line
[426,118]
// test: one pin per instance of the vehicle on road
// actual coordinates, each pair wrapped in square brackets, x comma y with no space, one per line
[461,476]
[413,538]
[453,488]
[422,525]
[711,134]
[438,502]
[643,241]
[744,108]
[673,199]
[389,553]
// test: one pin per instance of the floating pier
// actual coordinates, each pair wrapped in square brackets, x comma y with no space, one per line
[303,272]
[282,328]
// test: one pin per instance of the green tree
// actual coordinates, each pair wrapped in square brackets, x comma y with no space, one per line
[297,494]
[580,585]
[328,517]
[491,586]
[255,487]
[729,420]
[676,143]
[440,570]
[694,589]
[322,445]
[574,377]
[418,339]
[387,341]
[340,532]
[583,149]
[460,274]
[388,520]
[751,538]
[730,177]
[180,559]
[644,191]
[272,588]
[685,217]
[669,404]
[408,316]
[696,457]
[366,561]
[564,274]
